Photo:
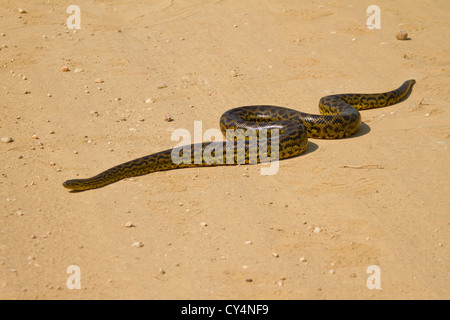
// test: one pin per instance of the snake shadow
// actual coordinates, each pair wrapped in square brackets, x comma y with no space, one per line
[79,191]
[310,148]
[363,130]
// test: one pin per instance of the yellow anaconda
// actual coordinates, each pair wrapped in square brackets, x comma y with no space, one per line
[339,118]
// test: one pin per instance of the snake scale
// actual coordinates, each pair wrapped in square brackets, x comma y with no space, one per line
[339,118]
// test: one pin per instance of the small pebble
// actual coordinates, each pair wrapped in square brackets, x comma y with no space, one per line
[162,86]
[98,80]
[65,69]
[317,230]
[275,255]
[149,100]
[402,35]
[129,225]
[137,244]
[168,117]
[427,114]
[161,271]
[22,10]
[7,139]
[248,242]
[34,136]
[77,70]
[203,224]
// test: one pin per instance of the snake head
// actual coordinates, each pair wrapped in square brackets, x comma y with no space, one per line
[76,184]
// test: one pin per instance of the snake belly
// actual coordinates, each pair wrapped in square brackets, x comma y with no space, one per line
[339,118]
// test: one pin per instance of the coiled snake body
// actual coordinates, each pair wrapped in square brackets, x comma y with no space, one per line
[339,118]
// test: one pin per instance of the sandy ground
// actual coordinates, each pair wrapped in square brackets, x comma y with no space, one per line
[309,232]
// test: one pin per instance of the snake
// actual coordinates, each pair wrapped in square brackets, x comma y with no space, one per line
[257,134]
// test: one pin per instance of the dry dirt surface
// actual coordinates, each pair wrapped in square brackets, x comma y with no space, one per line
[75,102]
